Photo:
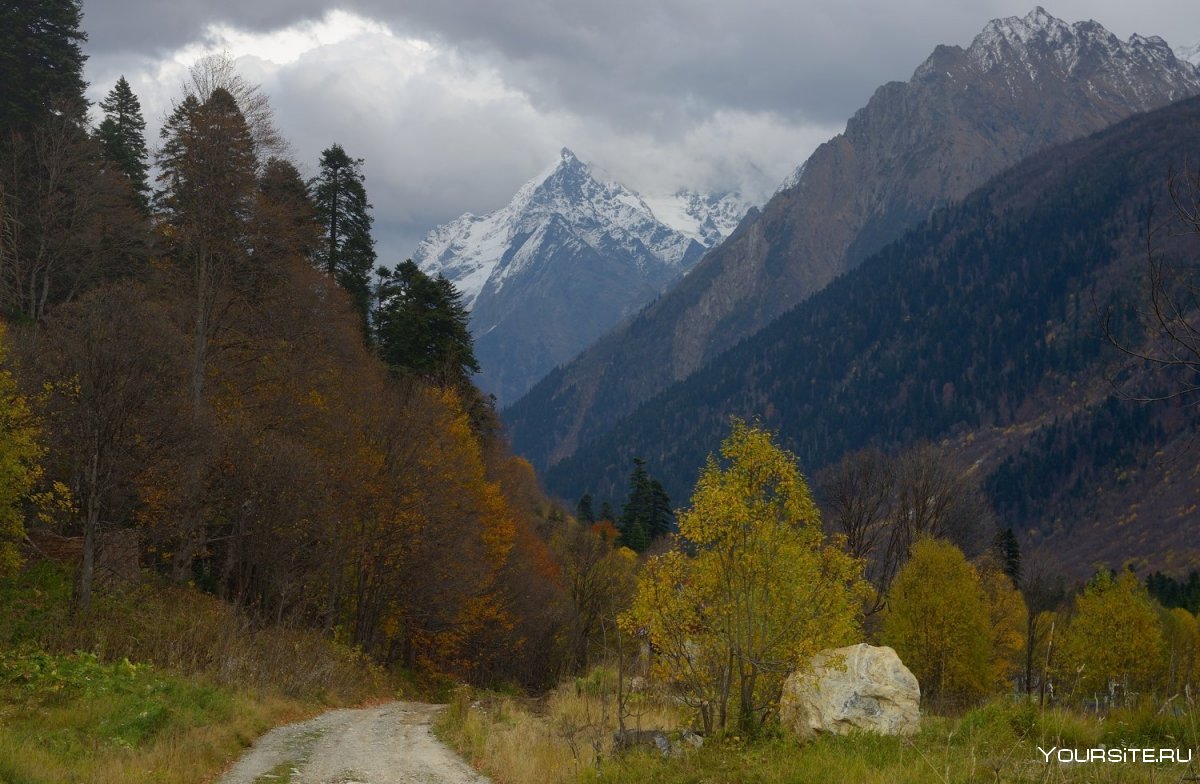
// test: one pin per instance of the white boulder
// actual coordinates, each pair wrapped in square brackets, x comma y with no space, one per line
[859,687]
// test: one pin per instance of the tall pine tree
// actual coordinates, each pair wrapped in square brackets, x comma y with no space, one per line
[41,62]
[646,514]
[122,138]
[347,253]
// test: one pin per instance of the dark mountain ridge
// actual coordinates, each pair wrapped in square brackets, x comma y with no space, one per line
[965,115]
[979,327]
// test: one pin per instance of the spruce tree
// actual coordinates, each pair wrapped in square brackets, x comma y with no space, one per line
[638,511]
[347,253]
[606,512]
[41,62]
[1008,550]
[122,138]
[583,510]
[646,514]
[420,328]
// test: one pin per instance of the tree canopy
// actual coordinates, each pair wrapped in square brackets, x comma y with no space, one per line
[420,327]
[347,253]
[763,591]
[122,138]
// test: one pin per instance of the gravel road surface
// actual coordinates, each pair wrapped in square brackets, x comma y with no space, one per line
[388,744]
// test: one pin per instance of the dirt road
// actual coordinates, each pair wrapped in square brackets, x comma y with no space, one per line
[389,744]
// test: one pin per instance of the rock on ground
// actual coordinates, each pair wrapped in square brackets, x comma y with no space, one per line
[388,744]
[859,687]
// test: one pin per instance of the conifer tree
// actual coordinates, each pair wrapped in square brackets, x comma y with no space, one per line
[122,138]
[636,513]
[420,328]
[583,510]
[347,253]
[41,62]
[646,514]
[1008,550]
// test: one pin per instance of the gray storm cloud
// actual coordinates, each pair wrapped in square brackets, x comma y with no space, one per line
[453,105]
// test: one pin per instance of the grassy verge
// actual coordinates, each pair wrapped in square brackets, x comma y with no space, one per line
[156,684]
[518,743]
[74,718]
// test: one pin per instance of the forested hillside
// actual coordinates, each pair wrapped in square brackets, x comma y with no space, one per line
[982,326]
[207,378]
[965,115]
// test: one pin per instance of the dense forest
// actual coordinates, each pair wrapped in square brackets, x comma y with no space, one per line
[206,365]
[985,321]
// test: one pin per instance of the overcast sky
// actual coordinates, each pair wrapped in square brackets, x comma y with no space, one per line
[454,104]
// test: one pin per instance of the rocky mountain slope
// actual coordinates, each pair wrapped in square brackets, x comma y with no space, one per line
[965,115]
[569,257]
[982,329]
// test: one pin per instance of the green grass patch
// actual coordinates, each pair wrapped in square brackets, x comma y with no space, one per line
[157,684]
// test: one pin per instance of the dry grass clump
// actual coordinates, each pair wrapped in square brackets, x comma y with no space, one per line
[557,739]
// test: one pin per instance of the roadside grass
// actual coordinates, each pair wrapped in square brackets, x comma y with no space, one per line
[526,742]
[156,684]
[73,718]
[552,740]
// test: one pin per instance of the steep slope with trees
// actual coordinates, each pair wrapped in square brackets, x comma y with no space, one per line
[982,325]
[965,115]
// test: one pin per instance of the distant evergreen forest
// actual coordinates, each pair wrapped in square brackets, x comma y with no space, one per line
[985,316]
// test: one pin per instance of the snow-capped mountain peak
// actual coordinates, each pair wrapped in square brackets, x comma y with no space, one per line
[470,250]
[1039,41]
[707,218]
[1189,54]
[570,255]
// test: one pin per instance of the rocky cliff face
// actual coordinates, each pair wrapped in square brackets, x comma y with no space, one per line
[965,115]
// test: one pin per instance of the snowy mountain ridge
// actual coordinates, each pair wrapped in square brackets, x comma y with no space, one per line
[570,255]
[1080,48]
[1190,54]
[475,251]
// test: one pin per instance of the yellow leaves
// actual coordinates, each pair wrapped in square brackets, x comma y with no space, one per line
[1115,636]
[1008,617]
[20,453]
[938,621]
[763,590]
[55,505]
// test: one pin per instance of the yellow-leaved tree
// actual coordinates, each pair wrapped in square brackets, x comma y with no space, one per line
[1008,620]
[1115,637]
[752,588]
[1181,633]
[19,466]
[938,620]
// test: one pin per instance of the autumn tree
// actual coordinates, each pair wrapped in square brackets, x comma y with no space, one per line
[1008,619]
[20,470]
[1181,637]
[938,620]
[106,359]
[599,580]
[122,138]
[884,504]
[1043,589]
[763,592]
[1115,637]
[347,252]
